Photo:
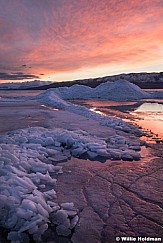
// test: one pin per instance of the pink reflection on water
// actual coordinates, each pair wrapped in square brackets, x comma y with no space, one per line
[104,103]
[50,108]
[150,117]
[94,109]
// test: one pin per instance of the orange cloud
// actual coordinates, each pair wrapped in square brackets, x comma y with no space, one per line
[62,36]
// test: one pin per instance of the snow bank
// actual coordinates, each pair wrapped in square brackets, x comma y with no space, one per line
[120,90]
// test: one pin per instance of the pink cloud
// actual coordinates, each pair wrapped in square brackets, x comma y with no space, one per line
[61,36]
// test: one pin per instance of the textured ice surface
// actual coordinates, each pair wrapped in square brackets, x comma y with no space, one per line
[27,185]
[79,143]
[28,165]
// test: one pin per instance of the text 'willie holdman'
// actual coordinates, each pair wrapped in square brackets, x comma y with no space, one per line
[141,239]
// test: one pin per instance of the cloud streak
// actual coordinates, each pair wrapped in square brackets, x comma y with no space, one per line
[17,76]
[59,36]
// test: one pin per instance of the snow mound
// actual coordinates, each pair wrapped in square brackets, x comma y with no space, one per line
[51,98]
[119,90]
[74,92]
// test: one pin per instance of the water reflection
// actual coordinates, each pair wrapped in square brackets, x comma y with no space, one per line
[50,108]
[153,107]
[94,109]
[150,117]
[146,114]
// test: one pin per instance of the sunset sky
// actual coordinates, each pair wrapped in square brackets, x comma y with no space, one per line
[74,39]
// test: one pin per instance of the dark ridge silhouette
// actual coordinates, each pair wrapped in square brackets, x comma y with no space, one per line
[143,80]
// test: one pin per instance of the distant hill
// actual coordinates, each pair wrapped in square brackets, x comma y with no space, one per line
[143,80]
[23,85]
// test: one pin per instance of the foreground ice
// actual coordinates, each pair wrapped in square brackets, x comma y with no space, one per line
[29,165]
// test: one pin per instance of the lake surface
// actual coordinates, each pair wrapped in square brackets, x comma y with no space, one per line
[148,114]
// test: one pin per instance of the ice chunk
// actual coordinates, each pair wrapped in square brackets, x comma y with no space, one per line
[63,230]
[28,204]
[33,230]
[127,156]
[74,222]
[78,151]
[42,211]
[31,224]
[10,221]
[25,214]
[42,228]
[61,217]
[58,158]
[51,194]
[67,206]
[48,141]
[18,237]
[91,155]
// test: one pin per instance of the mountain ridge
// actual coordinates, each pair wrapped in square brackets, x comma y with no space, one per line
[144,80]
